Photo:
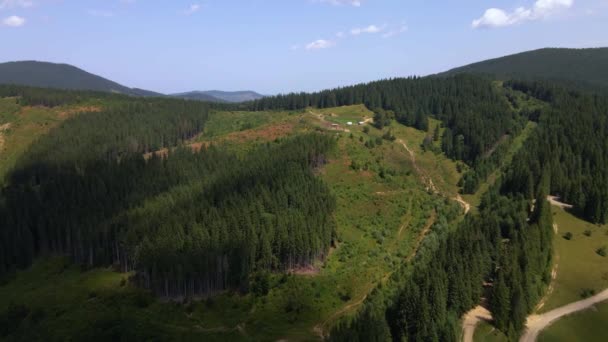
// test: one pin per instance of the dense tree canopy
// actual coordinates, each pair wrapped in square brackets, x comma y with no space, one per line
[189,223]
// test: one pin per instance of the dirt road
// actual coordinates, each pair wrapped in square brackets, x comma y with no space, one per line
[536,323]
[554,200]
[465,205]
[471,319]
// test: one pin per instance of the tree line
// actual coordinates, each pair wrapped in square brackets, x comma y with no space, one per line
[503,255]
[472,109]
[570,145]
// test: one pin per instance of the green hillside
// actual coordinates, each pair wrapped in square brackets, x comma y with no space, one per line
[62,76]
[581,66]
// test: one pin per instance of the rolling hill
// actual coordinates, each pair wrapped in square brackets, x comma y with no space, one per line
[220,96]
[581,66]
[62,76]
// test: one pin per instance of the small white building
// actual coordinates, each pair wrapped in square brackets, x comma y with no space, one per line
[349,123]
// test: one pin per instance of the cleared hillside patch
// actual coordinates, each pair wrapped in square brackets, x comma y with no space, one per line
[382,211]
[22,126]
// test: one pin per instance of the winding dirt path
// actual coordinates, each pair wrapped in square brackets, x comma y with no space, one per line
[465,205]
[536,323]
[428,181]
[423,175]
[471,319]
[319,329]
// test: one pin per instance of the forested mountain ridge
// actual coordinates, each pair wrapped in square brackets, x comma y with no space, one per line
[578,66]
[197,95]
[363,221]
[221,96]
[65,76]
[61,76]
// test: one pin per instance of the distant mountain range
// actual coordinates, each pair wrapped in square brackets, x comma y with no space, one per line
[222,96]
[65,76]
[582,66]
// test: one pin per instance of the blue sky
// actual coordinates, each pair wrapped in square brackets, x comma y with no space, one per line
[274,46]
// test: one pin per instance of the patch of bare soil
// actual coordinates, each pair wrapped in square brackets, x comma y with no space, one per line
[266,133]
[3,128]
[554,200]
[471,319]
[64,114]
[304,270]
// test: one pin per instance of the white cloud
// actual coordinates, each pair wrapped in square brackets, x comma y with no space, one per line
[14,21]
[354,3]
[340,34]
[496,17]
[100,13]
[368,29]
[320,44]
[192,9]
[401,29]
[15,3]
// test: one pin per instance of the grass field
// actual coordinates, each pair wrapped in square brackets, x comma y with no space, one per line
[382,208]
[586,326]
[485,332]
[579,266]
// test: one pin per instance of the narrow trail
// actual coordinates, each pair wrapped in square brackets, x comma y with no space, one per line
[319,329]
[463,203]
[536,323]
[423,233]
[423,176]
[428,181]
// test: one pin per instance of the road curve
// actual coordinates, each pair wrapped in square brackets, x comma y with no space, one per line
[536,323]
[471,319]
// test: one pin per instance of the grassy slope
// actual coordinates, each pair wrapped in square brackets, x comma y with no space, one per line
[485,332]
[579,267]
[26,124]
[379,221]
[589,326]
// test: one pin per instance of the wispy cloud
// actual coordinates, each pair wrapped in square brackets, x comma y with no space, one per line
[395,32]
[192,9]
[14,21]
[100,13]
[15,3]
[320,44]
[354,3]
[496,17]
[368,29]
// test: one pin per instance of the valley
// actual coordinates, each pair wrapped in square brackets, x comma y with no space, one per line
[446,208]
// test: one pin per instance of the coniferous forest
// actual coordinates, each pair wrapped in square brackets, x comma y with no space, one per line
[193,223]
[188,223]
